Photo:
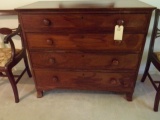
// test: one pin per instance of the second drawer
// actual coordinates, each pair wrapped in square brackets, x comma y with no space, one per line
[105,42]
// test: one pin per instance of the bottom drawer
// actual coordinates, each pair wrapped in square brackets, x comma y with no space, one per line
[49,79]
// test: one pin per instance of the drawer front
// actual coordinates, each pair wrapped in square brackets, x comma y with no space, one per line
[92,21]
[88,61]
[84,80]
[130,42]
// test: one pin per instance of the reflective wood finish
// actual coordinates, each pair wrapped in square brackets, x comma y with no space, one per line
[71,44]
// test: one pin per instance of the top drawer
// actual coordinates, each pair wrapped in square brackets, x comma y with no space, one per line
[88,22]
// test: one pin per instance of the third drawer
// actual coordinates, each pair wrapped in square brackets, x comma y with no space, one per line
[76,60]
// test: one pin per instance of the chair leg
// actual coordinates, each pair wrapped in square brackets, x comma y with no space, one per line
[27,66]
[146,71]
[13,84]
[157,99]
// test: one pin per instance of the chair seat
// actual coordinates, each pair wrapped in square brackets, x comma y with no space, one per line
[157,55]
[5,55]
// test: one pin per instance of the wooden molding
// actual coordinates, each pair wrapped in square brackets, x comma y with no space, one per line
[8,12]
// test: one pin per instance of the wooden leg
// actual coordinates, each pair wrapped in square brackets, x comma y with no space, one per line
[39,94]
[157,99]
[13,84]
[129,96]
[146,71]
[27,66]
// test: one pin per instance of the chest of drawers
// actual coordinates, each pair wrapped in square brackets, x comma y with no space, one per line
[71,44]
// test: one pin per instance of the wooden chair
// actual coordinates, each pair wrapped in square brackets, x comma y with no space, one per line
[9,57]
[154,58]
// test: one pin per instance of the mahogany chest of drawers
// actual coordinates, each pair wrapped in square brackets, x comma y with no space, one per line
[71,44]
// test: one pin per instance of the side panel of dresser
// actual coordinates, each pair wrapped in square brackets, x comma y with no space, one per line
[77,51]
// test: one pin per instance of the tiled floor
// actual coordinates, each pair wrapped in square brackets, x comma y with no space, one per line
[76,105]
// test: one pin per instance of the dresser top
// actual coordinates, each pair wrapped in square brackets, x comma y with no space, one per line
[107,4]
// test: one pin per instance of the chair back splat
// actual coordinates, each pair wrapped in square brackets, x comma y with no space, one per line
[154,58]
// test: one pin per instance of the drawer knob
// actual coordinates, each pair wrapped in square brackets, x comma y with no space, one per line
[124,84]
[114,82]
[120,22]
[52,60]
[46,22]
[115,62]
[55,78]
[118,42]
[49,42]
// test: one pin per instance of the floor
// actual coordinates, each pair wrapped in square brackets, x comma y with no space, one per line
[76,105]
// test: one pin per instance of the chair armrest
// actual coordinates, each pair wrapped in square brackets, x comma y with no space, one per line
[8,39]
[6,31]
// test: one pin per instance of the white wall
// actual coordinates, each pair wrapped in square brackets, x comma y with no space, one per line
[12,22]
[152,2]
[155,3]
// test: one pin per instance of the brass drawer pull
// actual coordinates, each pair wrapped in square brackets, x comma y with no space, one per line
[49,42]
[46,22]
[115,62]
